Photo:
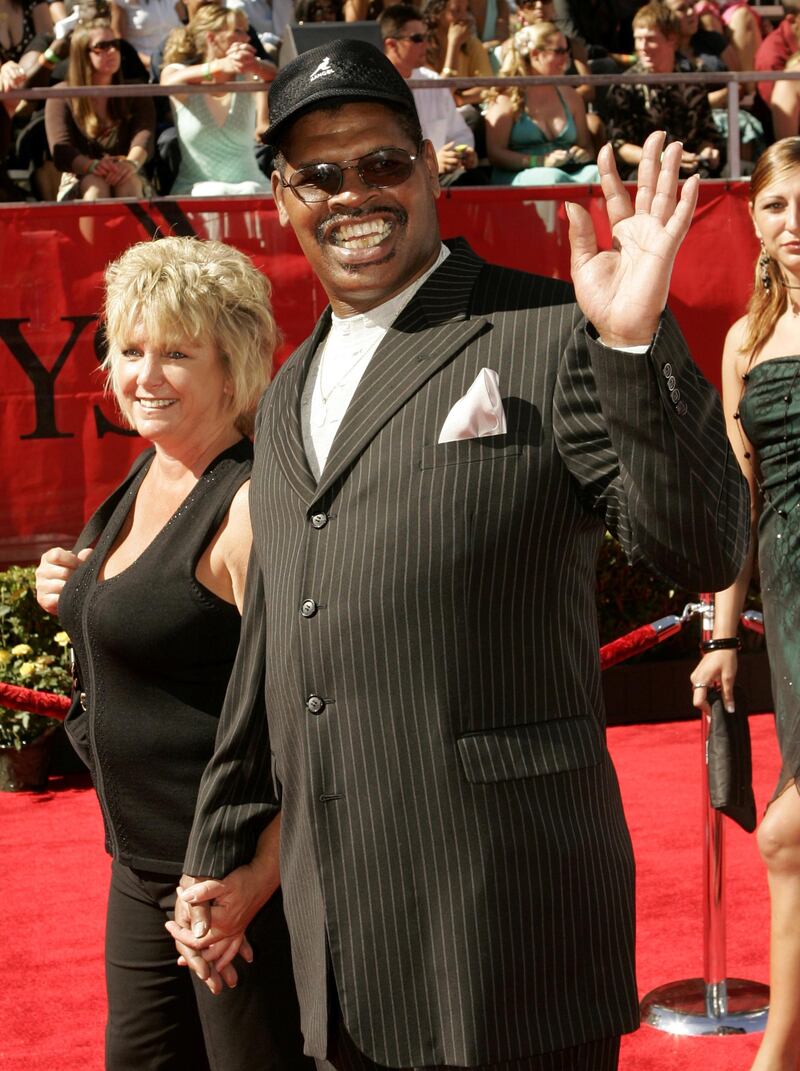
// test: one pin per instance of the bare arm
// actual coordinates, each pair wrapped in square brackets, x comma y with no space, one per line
[721,666]
[784,106]
[223,568]
[586,92]
[119,21]
[499,121]
[745,38]
[240,59]
[42,18]
[355,10]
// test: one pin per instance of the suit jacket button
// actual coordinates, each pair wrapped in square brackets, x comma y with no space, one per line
[319,520]
[315,704]
[681,408]
[672,383]
[309,608]
[667,370]
[675,395]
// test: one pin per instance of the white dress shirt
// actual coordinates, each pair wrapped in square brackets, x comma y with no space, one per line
[340,362]
[440,119]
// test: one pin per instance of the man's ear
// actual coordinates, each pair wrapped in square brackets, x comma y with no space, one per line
[432,166]
[279,192]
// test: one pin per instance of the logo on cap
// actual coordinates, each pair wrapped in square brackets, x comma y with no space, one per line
[323,69]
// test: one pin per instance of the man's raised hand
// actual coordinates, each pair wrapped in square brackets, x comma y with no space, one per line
[623,291]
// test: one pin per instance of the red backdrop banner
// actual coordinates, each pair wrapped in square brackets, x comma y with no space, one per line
[62,448]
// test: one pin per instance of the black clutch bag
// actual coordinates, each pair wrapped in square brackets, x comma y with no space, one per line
[729,759]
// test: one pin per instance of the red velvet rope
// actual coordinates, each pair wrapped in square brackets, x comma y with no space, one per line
[45,703]
[56,706]
[641,639]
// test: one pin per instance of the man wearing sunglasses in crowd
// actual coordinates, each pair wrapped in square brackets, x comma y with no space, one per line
[405,41]
[417,695]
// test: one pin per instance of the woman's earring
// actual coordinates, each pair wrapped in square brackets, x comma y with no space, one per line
[763,264]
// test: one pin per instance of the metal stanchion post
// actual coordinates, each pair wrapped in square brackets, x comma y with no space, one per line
[713,1004]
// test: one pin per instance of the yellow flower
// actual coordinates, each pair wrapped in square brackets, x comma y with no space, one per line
[45,660]
[62,639]
[5,657]
[22,649]
[27,669]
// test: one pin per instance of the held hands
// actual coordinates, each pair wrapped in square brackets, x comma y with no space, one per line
[202,947]
[210,921]
[113,169]
[623,291]
[578,155]
[717,668]
[573,155]
[12,76]
[556,158]
[52,573]
[239,59]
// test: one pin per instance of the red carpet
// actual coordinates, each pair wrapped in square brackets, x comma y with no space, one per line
[52,997]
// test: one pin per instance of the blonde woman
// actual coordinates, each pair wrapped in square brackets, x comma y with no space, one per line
[216,131]
[154,614]
[100,144]
[537,135]
[761,398]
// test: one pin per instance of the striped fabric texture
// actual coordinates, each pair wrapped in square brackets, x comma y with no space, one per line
[419,672]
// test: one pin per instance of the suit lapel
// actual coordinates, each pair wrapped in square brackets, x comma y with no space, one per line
[285,423]
[429,331]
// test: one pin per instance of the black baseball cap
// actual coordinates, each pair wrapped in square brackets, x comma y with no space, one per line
[341,71]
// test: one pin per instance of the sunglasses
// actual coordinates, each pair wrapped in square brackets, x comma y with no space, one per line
[378,170]
[106,46]
[417,38]
[556,51]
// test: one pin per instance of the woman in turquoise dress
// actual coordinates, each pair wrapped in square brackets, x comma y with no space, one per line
[537,135]
[761,397]
[216,132]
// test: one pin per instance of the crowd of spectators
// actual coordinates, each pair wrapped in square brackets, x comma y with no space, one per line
[538,134]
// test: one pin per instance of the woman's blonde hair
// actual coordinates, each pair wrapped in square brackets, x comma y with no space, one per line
[767,303]
[79,73]
[516,64]
[180,290]
[187,44]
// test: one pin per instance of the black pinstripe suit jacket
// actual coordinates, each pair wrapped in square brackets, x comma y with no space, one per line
[452,833]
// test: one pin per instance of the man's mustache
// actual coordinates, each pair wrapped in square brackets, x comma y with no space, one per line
[335,218]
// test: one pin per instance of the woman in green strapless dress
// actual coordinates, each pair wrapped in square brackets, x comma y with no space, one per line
[761,397]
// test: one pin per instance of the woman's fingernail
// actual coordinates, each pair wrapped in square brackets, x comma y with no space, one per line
[199,929]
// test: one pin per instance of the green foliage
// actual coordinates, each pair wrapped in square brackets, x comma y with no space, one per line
[34,653]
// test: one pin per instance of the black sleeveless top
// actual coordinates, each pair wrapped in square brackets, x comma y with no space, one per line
[155,650]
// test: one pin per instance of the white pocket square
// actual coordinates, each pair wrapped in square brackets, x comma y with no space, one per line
[480,412]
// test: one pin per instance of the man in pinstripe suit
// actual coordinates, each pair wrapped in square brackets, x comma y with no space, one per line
[417,695]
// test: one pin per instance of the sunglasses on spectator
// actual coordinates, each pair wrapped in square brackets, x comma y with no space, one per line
[534,3]
[417,38]
[106,46]
[555,51]
[378,170]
